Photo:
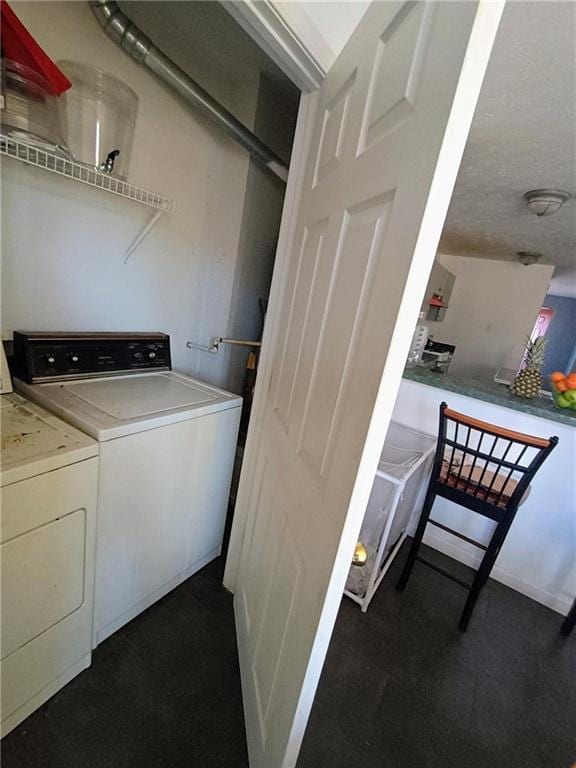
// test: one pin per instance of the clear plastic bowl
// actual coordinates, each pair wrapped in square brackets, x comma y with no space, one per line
[29,110]
[100,115]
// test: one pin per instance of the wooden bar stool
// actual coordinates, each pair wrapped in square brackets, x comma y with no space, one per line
[487,469]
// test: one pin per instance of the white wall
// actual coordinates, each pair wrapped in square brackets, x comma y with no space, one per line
[323,28]
[62,243]
[539,555]
[336,20]
[493,307]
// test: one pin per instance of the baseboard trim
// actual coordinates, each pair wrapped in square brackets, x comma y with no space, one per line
[448,547]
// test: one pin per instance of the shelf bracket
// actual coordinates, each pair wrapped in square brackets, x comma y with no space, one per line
[142,235]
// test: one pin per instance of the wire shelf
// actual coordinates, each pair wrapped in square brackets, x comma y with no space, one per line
[51,161]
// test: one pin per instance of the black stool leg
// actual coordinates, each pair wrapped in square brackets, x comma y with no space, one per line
[425,514]
[569,621]
[482,574]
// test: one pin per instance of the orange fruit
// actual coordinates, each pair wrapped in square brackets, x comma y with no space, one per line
[561,386]
[571,381]
[557,376]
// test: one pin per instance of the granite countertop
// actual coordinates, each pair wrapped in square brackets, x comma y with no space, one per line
[491,392]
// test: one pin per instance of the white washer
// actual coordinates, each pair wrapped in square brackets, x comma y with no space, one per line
[48,491]
[167,446]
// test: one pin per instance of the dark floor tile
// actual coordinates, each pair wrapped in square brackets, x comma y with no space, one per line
[162,692]
[402,688]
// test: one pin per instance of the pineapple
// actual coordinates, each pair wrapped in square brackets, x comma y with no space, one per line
[529,381]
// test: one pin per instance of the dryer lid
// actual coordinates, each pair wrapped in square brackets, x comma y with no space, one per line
[34,441]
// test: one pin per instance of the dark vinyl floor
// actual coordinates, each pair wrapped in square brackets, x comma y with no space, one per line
[162,692]
[401,687]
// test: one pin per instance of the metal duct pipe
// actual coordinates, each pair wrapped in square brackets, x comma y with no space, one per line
[132,40]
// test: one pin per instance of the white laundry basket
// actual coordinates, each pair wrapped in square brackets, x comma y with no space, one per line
[397,493]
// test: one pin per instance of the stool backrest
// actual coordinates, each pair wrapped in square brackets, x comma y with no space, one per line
[491,464]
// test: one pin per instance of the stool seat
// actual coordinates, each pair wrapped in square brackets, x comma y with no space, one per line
[483,483]
[486,469]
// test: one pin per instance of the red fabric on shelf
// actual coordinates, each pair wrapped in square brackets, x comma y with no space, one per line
[19,46]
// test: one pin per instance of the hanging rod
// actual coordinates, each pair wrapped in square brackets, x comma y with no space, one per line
[217,340]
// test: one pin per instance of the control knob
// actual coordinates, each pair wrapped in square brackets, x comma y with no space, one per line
[151,355]
[50,359]
[73,357]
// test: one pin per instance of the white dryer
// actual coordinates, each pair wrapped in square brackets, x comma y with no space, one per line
[167,446]
[48,485]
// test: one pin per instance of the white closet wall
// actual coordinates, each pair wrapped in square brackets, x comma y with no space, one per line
[335,20]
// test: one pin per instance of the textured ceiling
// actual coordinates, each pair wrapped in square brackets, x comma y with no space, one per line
[523,137]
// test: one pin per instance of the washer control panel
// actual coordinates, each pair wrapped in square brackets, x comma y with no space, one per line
[41,356]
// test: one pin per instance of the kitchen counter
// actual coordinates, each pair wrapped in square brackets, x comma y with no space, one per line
[490,392]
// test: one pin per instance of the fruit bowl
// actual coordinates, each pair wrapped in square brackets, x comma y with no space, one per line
[564,390]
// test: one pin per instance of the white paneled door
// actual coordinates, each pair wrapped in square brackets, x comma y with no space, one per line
[390,125]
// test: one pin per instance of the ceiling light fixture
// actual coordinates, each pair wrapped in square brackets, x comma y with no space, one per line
[528,257]
[545,202]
